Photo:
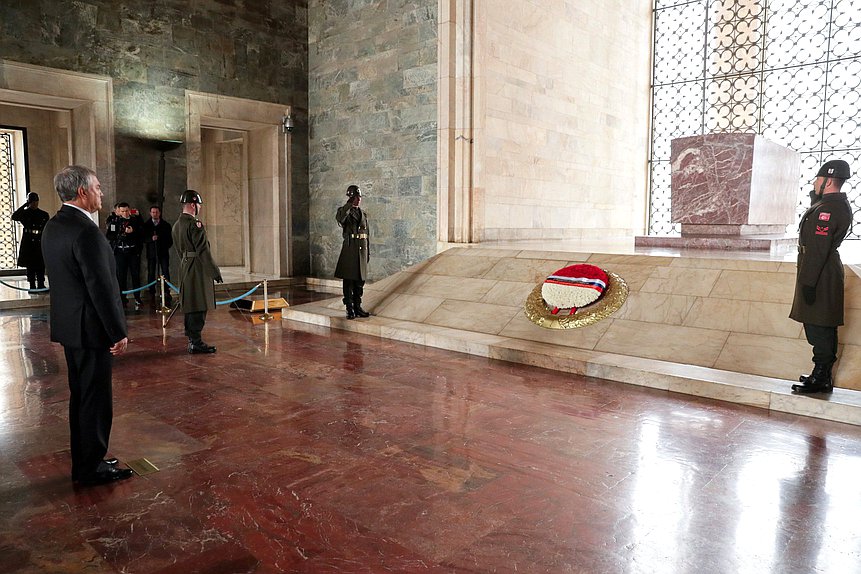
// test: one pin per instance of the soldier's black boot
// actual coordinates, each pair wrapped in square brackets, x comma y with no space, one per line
[819,381]
[200,348]
[357,308]
[804,378]
[351,313]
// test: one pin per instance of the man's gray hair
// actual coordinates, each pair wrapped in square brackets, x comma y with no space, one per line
[72,178]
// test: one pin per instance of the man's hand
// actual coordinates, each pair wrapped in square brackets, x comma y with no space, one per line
[219,279]
[128,229]
[119,347]
[809,294]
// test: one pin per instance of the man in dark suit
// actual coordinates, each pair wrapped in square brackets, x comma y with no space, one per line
[86,317]
[158,241]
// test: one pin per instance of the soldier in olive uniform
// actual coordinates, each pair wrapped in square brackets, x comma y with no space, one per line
[30,254]
[818,302]
[352,265]
[197,271]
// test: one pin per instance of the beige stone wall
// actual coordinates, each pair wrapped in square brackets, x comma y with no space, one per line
[561,118]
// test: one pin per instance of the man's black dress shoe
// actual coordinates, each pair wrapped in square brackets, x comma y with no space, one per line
[200,348]
[104,475]
[107,461]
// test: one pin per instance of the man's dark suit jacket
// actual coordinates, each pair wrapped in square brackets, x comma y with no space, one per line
[86,310]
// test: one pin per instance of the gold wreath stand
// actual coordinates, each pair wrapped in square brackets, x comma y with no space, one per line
[614,297]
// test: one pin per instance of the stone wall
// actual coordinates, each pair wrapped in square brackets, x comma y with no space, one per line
[373,107]
[154,51]
[561,119]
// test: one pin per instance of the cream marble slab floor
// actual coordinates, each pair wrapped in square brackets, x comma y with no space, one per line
[713,313]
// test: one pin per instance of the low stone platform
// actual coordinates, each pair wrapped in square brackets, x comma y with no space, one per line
[772,244]
[714,328]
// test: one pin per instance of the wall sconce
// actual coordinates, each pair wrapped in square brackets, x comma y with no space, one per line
[287,124]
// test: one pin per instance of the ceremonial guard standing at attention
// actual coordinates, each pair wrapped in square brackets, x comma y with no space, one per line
[30,254]
[352,265]
[197,271]
[818,302]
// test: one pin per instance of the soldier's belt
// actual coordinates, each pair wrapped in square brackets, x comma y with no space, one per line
[33,231]
[358,236]
[190,254]
[801,249]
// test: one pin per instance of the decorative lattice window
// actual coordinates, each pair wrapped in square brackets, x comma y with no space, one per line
[789,70]
[8,232]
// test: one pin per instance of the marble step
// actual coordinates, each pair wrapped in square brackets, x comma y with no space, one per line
[746,389]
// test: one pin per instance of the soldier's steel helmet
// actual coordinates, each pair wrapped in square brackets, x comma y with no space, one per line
[190,196]
[32,196]
[354,191]
[836,168]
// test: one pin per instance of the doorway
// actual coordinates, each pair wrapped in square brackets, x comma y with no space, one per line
[225,187]
[67,119]
[239,155]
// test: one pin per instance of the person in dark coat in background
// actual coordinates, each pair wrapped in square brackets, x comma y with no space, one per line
[352,265]
[125,233]
[818,301]
[30,254]
[86,317]
[158,240]
[197,271]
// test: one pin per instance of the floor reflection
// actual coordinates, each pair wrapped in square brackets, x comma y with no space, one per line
[296,448]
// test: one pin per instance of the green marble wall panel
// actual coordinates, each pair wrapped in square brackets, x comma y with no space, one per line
[154,51]
[373,115]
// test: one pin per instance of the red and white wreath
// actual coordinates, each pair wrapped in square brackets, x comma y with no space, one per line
[574,287]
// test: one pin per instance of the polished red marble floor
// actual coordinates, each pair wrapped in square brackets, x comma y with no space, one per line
[298,449]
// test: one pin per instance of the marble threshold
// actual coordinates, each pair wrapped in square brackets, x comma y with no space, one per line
[753,390]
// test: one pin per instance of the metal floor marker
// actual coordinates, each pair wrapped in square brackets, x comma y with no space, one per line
[142,466]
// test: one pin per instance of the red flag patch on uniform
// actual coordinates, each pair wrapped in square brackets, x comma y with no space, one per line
[824,216]
[821,230]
